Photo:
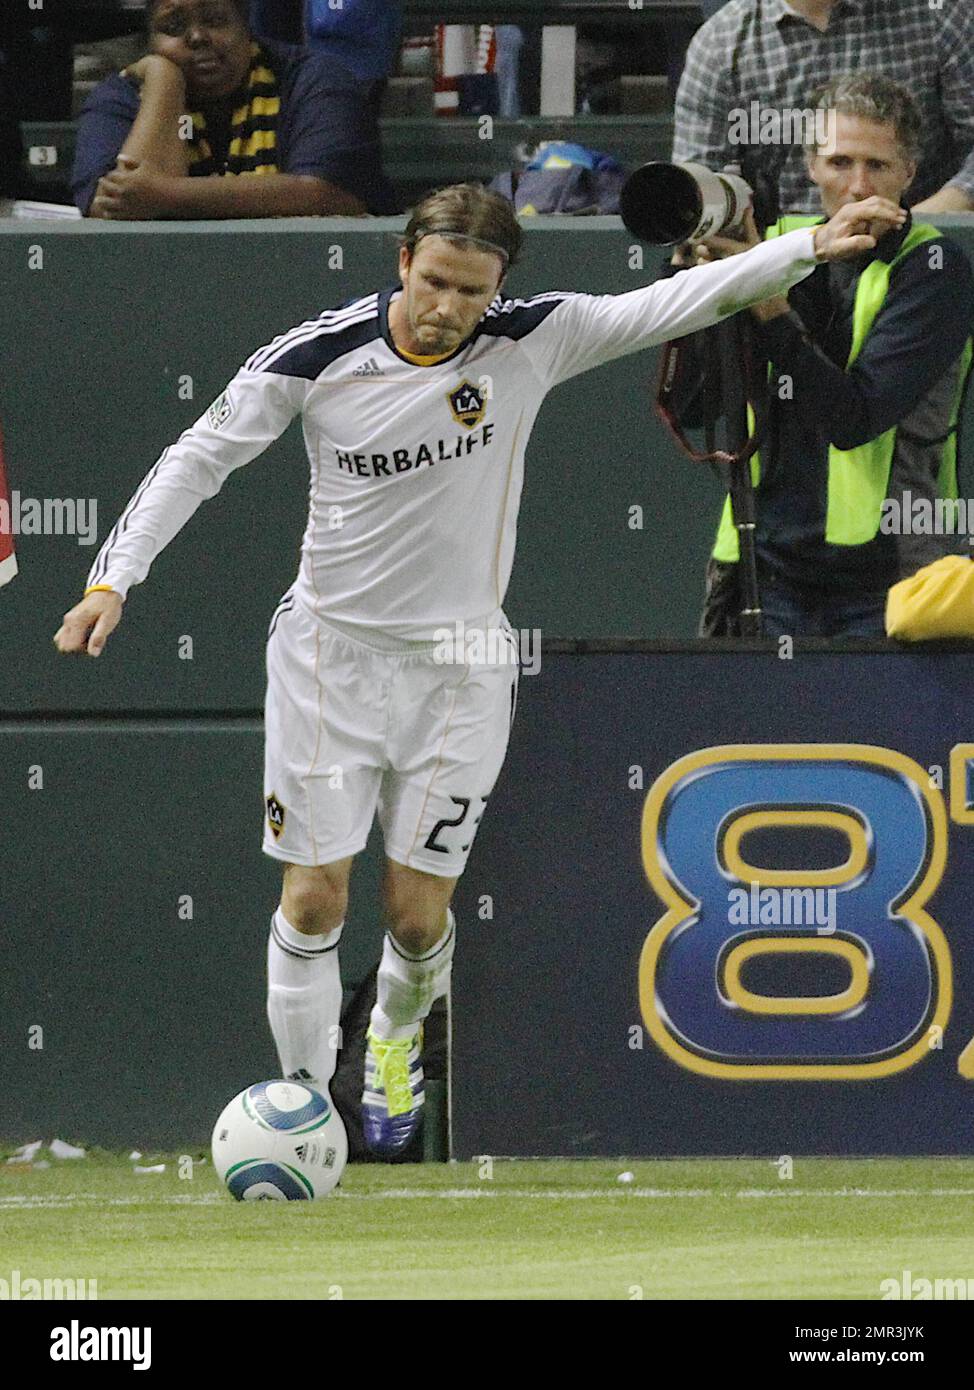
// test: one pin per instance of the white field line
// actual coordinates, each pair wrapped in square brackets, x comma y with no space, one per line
[205,1199]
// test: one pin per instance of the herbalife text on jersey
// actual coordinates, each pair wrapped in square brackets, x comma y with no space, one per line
[50,516]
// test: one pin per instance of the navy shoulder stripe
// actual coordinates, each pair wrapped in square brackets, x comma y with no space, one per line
[307,350]
[516,318]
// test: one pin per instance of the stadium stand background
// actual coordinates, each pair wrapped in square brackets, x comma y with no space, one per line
[142,841]
[420,150]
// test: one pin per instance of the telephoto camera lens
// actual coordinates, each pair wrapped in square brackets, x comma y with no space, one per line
[664,204]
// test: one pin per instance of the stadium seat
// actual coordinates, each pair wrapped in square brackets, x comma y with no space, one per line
[422,153]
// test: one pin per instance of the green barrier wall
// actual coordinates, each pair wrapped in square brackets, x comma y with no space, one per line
[102,329]
[134,911]
[106,330]
[99,343]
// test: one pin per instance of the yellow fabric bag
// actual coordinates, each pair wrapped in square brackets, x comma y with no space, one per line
[937,601]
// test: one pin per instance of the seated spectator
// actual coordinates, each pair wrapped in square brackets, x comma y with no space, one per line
[207,101]
[771,54]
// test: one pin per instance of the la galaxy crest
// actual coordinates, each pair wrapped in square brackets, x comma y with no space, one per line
[275,816]
[468,404]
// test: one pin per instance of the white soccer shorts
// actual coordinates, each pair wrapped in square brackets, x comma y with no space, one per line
[350,731]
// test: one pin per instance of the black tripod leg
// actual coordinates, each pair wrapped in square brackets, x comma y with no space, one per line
[742,509]
[735,345]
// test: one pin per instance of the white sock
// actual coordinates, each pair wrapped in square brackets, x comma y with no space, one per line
[304,1000]
[408,984]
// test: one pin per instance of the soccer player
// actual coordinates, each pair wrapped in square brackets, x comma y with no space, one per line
[417,404]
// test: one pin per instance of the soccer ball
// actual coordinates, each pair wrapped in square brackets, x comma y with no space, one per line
[280,1141]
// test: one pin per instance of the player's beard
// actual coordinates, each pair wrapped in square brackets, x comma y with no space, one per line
[443,344]
[437,340]
[433,338]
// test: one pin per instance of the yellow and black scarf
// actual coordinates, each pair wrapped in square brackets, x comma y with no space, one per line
[253,128]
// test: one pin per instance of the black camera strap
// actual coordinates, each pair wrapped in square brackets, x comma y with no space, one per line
[697,364]
[720,371]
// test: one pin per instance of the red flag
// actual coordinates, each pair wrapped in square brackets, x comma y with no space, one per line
[8,560]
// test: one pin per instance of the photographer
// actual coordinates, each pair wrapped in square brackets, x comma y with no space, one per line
[867,366]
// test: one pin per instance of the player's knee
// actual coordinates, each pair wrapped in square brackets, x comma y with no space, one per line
[415,906]
[415,924]
[315,903]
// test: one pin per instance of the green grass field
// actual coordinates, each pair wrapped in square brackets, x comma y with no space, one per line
[681,1229]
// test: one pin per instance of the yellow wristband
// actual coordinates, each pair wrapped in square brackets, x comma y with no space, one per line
[98,589]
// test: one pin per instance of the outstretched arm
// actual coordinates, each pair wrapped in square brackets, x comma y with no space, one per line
[587,330]
[251,413]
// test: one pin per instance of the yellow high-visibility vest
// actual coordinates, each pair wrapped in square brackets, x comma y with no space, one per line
[859,478]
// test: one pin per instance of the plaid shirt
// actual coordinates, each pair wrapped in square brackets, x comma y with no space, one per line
[762,51]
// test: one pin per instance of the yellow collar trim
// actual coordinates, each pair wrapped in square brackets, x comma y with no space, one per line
[421,361]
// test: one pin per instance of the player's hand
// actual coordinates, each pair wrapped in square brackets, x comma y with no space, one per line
[856,228]
[129,193]
[88,625]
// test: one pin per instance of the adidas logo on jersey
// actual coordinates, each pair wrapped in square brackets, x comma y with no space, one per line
[370,368]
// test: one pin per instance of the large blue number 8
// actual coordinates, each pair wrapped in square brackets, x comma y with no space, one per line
[690,992]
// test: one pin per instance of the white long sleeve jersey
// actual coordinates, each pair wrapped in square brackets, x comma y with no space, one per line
[416,471]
